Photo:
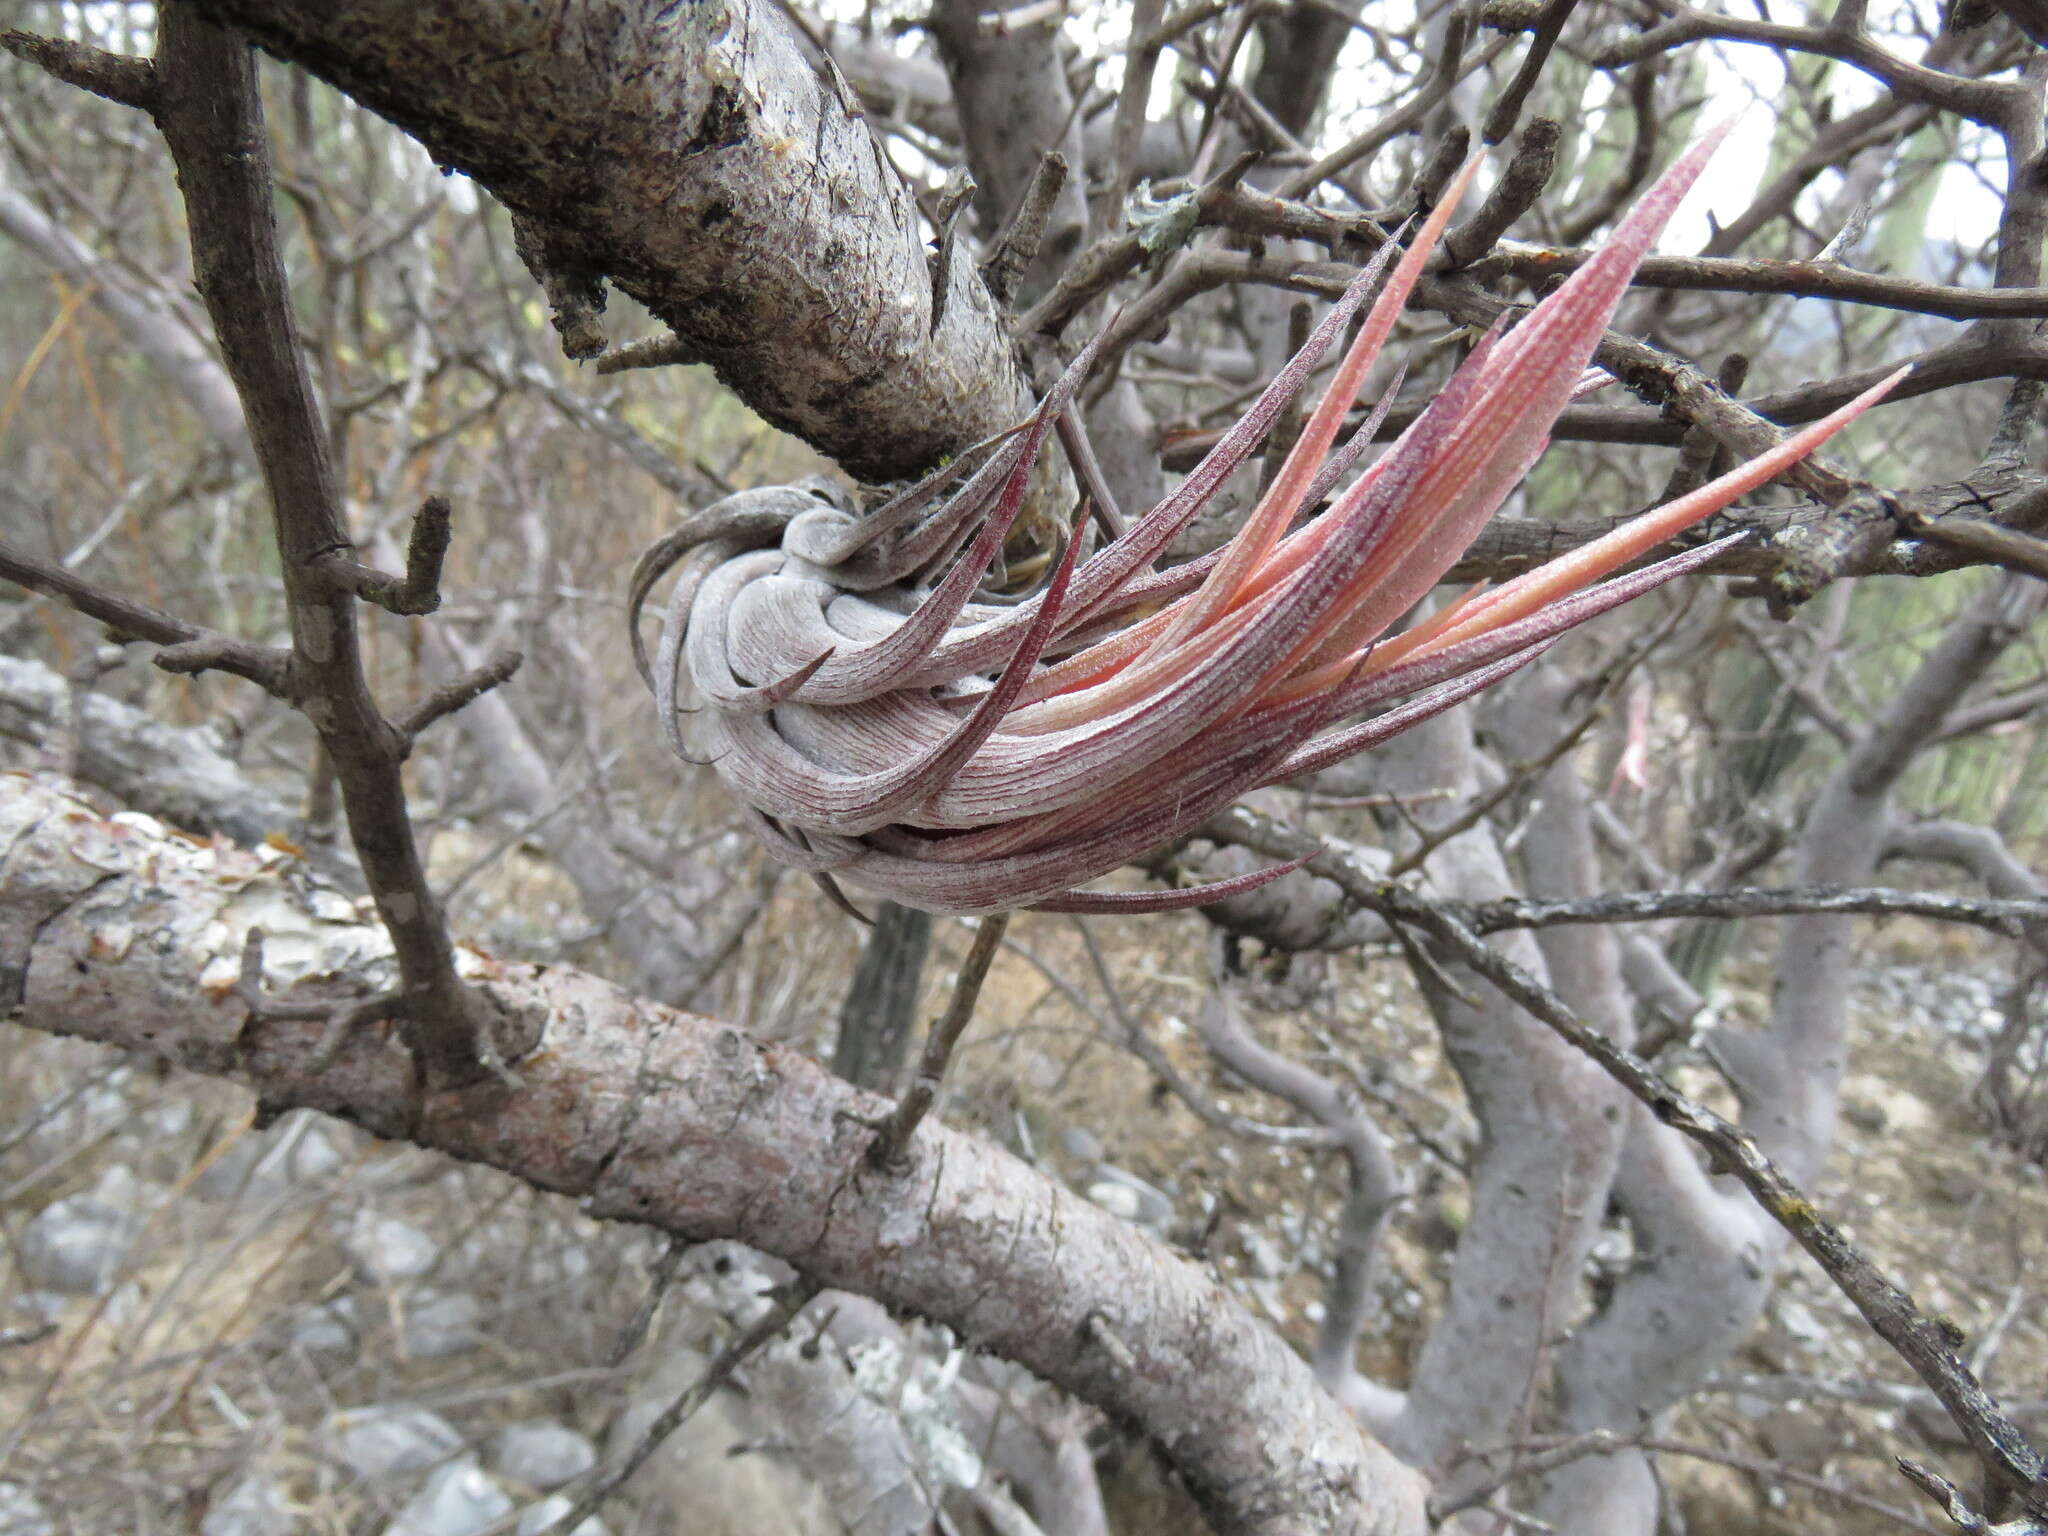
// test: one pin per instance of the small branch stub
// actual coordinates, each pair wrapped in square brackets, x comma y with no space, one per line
[416,593]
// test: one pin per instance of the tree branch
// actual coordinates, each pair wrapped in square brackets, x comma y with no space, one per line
[684,1123]
[694,157]
[119,77]
[2011,918]
[188,647]
[212,119]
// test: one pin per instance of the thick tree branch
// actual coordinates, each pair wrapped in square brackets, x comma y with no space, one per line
[681,1122]
[1376,1183]
[150,319]
[694,157]
[179,775]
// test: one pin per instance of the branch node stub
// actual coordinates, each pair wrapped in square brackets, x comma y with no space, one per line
[425,553]
[413,595]
[575,293]
[1105,1338]
[1017,246]
[649,352]
[1511,15]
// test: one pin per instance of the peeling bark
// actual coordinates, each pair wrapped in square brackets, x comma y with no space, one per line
[123,932]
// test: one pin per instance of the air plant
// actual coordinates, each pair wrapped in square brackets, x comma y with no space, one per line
[967,757]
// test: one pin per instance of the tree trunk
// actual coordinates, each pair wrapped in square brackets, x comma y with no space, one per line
[875,1021]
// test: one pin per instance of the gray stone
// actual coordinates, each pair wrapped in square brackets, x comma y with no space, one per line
[1798,1320]
[257,1169]
[1081,1144]
[256,1506]
[313,1156]
[124,1305]
[1267,1259]
[42,1306]
[75,1246]
[1117,1199]
[437,1324]
[1154,1208]
[387,1440]
[22,1514]
[385,1248]
[459,1500]
[328,1329]
[541,1454]
[119,1187]
[166,1120]
[536,1518]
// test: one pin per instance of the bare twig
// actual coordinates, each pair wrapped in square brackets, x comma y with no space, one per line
[118,77]
[1123,1027]
[453,695]
[893,1135]
[1018,244]
[1482,806]
[607,1482]
[2011,918]
[187,648]
[1546,1455]
[1500,122]
[660,1276]
[1984,101]
[1513,195]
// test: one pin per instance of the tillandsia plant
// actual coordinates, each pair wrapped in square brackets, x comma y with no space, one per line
[967,757]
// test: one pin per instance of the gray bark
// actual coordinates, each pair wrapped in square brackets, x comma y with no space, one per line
[696,158]
[1551,1126]
[1376,1189]
[1791,1104]
[881,1002]
[1979,851]
[1014,105]
[650,1115]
